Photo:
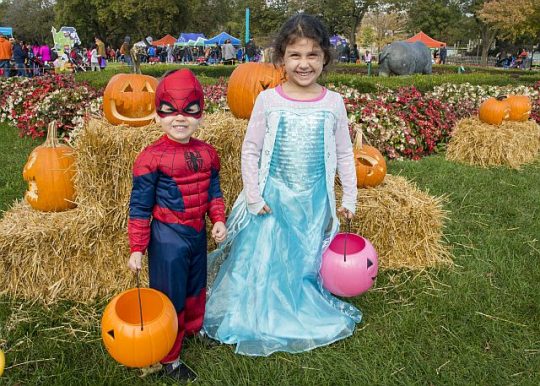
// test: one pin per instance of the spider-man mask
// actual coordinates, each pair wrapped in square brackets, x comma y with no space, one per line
[180,93]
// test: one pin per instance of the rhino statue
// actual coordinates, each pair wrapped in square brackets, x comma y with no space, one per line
[404,58]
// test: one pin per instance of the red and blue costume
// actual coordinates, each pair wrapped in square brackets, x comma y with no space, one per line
[174,186]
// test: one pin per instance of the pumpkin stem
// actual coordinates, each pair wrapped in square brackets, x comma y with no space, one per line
[501,97]
[358,139]
[52,140]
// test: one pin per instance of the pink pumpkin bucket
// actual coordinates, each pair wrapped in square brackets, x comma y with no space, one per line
[349,265]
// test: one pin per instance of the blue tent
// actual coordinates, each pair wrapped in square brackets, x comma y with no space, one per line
[220,39]
[186,37]
[6,31]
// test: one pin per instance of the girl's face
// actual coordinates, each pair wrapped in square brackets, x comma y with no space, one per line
[303,61]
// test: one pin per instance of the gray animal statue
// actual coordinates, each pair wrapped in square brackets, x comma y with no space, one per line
[404,58]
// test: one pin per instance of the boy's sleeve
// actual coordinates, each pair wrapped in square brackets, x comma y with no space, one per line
[345,159]
[216,205]
[141,204]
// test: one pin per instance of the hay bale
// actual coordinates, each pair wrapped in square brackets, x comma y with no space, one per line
[54,256]
[404,224]
[510,144]
[81,254]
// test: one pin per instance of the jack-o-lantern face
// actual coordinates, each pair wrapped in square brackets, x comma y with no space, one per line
[50,170]
[246,82]
[370,166]
[129,99]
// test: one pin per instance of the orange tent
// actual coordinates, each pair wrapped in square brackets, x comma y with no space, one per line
[422,37]
[167,39]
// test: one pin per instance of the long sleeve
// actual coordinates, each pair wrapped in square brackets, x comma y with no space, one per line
[251,154]
[216,205]
[345,160]
[143,196]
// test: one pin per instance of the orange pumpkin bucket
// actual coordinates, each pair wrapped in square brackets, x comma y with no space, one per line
[370,164]
[139,327]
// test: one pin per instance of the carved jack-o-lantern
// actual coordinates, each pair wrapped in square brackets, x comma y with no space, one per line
[246,82]
[50,171]
[370,166]
[130,99]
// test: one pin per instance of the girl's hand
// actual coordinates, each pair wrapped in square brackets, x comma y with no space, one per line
[265,210]
[219,232]
[346,213]
[134,262]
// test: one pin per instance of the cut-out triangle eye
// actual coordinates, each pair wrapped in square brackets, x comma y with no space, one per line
[128,88]
[369,263]
[111,333]
[147,88]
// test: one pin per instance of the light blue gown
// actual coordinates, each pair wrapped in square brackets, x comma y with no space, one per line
[267,296]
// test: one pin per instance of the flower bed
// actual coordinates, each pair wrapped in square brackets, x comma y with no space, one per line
[402,123]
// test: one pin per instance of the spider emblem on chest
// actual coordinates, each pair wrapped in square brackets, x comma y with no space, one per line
[194,160]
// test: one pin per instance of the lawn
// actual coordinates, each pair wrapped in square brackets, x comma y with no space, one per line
[475,323]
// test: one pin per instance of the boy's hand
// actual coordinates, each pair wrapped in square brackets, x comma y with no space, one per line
[265,210]
[134,262]
[345,212]
[219,232]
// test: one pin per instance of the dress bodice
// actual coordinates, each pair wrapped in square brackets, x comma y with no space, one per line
[298,158]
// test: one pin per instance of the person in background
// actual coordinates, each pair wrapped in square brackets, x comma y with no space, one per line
[19,57]
[102,54]
[228,53]
[251,50]
[6,51]
[368,59]
[355,55]
[442,54]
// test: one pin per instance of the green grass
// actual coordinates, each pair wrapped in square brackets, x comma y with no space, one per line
[476,323]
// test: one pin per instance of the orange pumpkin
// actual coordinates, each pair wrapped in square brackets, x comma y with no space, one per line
[520,107]
[370,166]
[494,110]
[49,171]
[246,82]
[130,99]
[133,344]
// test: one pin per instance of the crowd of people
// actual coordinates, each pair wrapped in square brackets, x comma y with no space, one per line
[20,58]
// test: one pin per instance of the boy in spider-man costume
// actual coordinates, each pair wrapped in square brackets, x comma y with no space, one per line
[175,183]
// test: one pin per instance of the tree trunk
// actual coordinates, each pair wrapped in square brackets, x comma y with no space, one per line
[488,36]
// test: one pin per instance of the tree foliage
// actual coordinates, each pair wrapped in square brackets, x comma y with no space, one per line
[514,19]
[30,19]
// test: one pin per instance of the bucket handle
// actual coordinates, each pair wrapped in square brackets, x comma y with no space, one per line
[139,296]
[345,242]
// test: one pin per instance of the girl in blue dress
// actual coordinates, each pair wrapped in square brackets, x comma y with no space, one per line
[268,296]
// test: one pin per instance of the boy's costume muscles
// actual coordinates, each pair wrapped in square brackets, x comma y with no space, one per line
[175,184]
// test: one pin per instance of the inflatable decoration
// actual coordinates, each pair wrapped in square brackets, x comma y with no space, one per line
[246,82]
[49,172]
[494,110]
[129,99]
[349,265]
[134,341]
[520,107]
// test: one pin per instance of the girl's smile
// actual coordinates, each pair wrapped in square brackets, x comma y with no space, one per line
[303,61]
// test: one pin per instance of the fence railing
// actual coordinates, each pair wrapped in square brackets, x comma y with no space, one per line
[470,60]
